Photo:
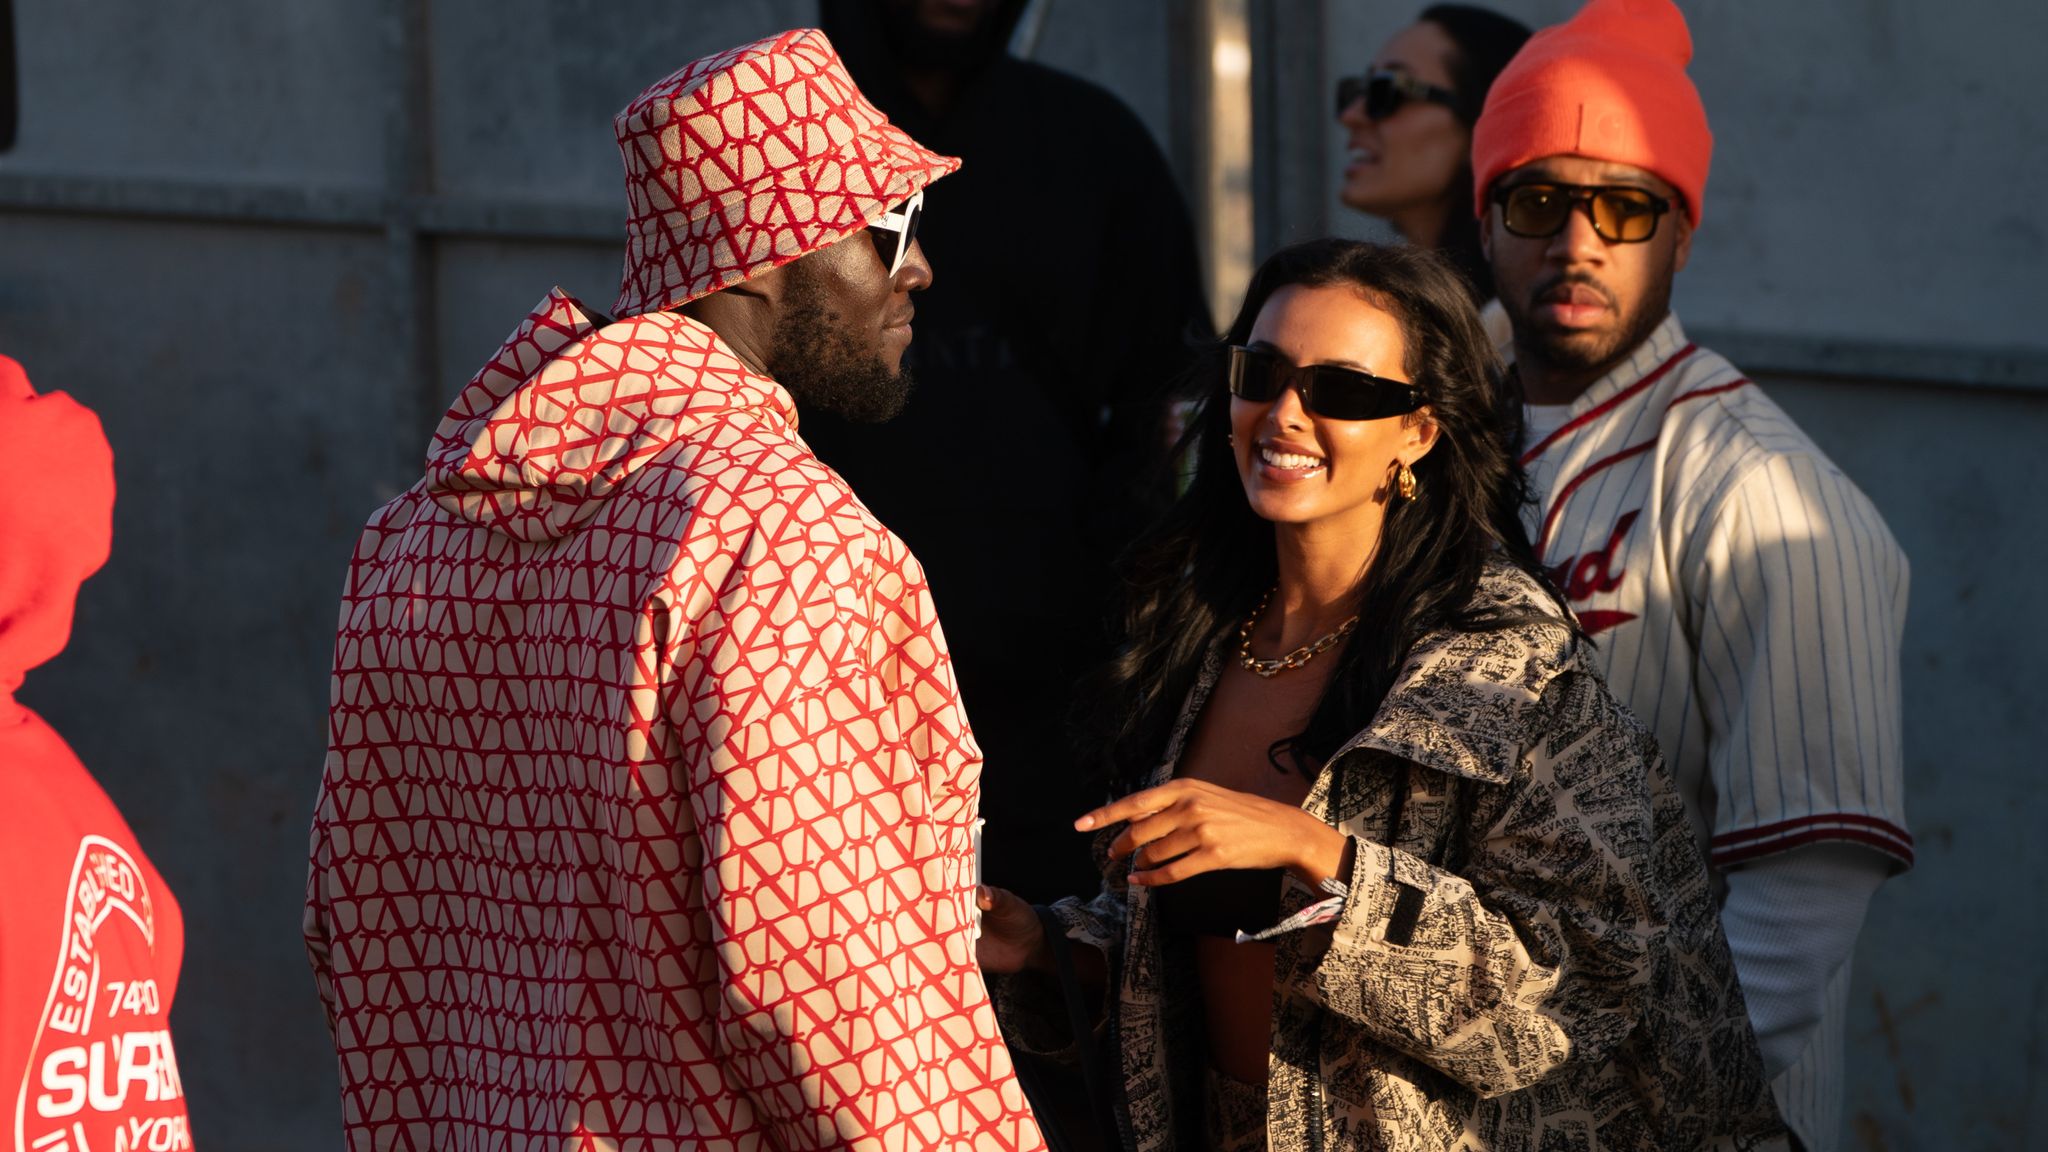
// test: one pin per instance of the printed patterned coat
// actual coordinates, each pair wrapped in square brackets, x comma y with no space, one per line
[646,817]
[1528,956]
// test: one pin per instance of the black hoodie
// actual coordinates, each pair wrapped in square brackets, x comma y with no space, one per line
[1065,298]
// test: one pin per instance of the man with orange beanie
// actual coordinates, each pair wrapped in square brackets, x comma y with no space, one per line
[1747,597]
[90,938]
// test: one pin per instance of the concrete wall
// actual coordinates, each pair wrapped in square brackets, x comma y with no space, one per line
[1871,253]
[267,242]
[1950,1005]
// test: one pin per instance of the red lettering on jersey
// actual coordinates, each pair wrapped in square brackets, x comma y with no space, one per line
[1596,620]
[1581,577]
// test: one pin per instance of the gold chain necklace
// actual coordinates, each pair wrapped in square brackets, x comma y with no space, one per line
[1294,659]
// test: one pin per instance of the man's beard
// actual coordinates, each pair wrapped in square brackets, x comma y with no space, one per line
[814,353]
[1579,353]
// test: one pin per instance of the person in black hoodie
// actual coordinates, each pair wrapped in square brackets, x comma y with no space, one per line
[1030,450]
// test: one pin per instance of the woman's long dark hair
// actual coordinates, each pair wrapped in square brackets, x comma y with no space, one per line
[1485,41]
[1204,567]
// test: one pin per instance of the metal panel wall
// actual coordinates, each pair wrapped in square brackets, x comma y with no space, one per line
[245,382]
[267,242]
[1950,1007]
[246,89]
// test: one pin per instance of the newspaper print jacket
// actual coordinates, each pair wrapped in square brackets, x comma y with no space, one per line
[1528,956]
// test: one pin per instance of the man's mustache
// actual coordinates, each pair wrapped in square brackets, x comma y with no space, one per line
[1557,286]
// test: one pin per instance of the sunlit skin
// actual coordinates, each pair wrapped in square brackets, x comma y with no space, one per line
[1229,808]
[1404,168]
[876,308]
[1327,506]
[1580,304]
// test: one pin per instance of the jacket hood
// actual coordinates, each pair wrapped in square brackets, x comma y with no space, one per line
[56,519]
[569,409]
[1462,702]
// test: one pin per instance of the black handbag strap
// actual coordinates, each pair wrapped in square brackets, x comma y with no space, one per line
[1090,1053]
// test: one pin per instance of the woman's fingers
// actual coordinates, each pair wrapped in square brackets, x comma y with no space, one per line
[1011,936]
[1135,805]
[1186,827]
[1178,842]
[1006,913]
[1143,831]
[1138,804]
[1173,871]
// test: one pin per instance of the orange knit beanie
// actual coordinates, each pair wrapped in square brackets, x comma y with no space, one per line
[1608,84]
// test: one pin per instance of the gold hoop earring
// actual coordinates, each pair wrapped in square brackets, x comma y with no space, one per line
[1404,483]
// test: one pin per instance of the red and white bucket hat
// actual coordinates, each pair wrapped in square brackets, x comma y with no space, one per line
[752,158]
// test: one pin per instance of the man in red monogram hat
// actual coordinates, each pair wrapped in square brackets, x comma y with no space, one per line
[647,813]
[90,939]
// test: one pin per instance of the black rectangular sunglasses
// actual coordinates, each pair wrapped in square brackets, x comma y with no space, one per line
[1326,390]
[1385,92]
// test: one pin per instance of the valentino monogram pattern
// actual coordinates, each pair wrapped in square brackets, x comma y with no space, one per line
[1529,957]
[646,818]
[749,159]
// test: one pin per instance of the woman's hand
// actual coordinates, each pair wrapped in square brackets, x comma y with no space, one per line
[1186,827]
[1012,939]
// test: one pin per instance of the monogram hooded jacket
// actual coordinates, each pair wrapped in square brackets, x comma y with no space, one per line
[1528,955]
[645,822]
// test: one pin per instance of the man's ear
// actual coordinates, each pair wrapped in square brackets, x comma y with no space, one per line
[1683,250]
[1486,234]
[746,303]
[744,314]
[764,287]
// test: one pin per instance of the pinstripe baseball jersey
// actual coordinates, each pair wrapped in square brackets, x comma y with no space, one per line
[1748,603]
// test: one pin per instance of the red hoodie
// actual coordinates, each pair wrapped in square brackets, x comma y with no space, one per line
[90,939]
[646,819]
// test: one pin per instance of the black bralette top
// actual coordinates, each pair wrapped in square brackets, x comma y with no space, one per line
[1220,903]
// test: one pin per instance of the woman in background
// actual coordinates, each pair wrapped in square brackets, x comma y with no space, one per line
[1409,122]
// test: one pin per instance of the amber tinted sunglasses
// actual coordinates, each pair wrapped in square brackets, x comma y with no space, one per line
[1620,214]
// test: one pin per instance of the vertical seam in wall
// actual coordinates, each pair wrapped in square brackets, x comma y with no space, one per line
[409,180]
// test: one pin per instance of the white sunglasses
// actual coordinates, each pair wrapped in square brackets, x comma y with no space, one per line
[896,231]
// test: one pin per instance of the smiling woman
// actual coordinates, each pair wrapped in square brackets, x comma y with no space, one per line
[1408,127]
[1307,473]
[1389,868]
